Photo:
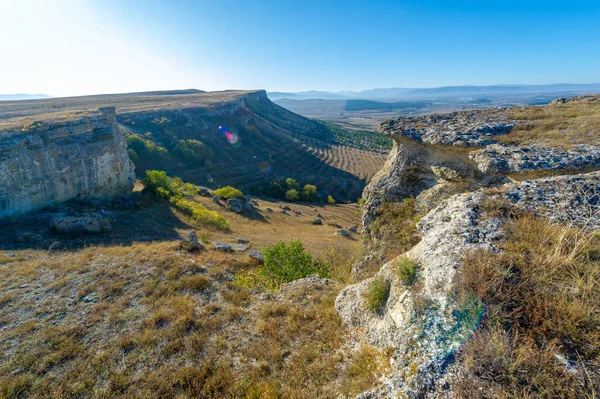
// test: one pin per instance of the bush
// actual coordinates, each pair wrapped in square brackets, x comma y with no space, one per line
[200,214]
[287,263]
[377,294]
[160,183]
[192,151]
[174,189]
[330,200]
[145,149]
[309,193]
[292,195]
[158,179]
[407,271]
[228,192]
[291,183]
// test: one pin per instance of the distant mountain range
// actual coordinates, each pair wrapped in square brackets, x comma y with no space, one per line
[437,92]
[12,97]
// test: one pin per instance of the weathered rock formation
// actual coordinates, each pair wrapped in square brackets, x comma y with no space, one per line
[498,158]
[425,323]
[436,156]
[48,163]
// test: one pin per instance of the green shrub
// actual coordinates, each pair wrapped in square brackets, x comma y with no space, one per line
[287,263]
[174,189]
[228,192]
[146,149]
[158,179]
[200,214]
[192,151]
[330,200]
[309,193]
[291,183]
[377,294]
[407,271]
[292,195]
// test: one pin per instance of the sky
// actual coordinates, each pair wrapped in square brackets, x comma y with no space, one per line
[77,47]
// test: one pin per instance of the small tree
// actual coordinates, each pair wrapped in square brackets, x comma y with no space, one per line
[292,195]
[287,263]
[310,192]
[291,183]
[330,200]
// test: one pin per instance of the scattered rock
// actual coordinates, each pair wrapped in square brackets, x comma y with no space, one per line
[269,210]
[286,208]
[226,247]
[92,297]
[216,200]
[284,211]
[257,255]
[192,237]
[190,246]
[353,229]
[240,205]
[30,237]
[342,232]
[205,192]
[235,205]
[10,255]
[91,223]
[241,240]
[320,216]
[317,222]
[444,172]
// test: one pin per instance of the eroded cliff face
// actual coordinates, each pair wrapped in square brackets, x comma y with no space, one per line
[48,163]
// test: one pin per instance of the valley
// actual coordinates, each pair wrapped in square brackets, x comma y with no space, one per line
[368,277]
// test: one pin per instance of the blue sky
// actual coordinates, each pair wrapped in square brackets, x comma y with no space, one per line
[73,47]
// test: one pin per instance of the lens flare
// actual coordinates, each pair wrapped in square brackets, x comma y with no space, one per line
[232,138]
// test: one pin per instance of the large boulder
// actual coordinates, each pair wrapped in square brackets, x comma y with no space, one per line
[239,205]
[235,205]
[91,223]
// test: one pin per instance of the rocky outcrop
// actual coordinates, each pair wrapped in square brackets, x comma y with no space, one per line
[498,158]
[425,323]
[89,223]
[51,162]
[460,129]
[414,167]
[436,156]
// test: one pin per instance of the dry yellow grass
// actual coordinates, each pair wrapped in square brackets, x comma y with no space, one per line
[146,320]
[557,125]
[541,335]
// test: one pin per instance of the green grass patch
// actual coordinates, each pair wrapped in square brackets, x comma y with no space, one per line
[377,294]
[407,271]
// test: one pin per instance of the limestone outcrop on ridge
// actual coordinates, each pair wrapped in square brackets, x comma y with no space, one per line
[48,162]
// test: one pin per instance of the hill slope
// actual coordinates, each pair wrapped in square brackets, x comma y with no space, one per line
[183,133]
